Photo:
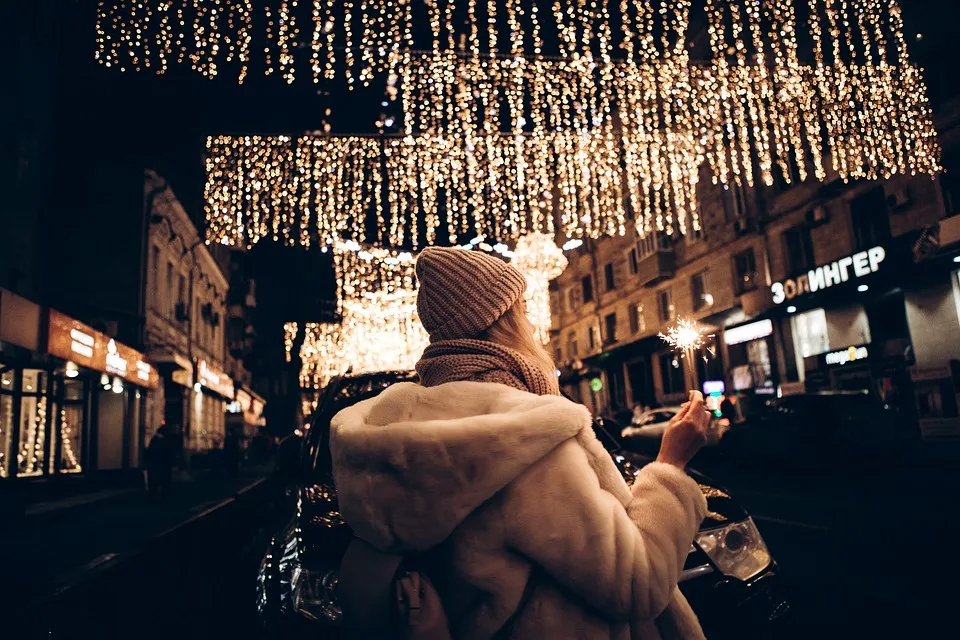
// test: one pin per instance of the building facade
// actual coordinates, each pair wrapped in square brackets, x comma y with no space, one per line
[812,286]
[186,294]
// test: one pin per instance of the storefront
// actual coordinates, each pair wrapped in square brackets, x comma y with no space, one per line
[71,398]
[751,358]
[245,415]
[212,390]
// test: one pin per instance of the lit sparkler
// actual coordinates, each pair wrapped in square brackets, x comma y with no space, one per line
[687,337]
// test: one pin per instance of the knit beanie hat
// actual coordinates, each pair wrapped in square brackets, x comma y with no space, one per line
[462,293]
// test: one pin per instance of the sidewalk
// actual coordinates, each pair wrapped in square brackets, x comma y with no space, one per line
[68,538]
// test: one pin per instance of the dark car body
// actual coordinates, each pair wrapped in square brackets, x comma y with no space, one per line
[821,428]
[296,585]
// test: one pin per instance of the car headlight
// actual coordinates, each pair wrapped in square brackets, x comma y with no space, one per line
[314,594]
[737,549]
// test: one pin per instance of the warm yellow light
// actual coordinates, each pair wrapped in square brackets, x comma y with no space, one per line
[687,337]
[540,260]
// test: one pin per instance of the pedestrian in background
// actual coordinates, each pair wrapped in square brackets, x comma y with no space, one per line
[485,470]
[160,455]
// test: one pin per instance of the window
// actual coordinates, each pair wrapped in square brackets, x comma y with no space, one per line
[609,281]
[737,202]
[871,223]
[558,355]
[593,338]
[572,299]
[693,235]
[810,333]
[636,319]
[699,287]
[633,263]
[647,245]
[157,297]
[182,293]
[572,347]
[799,249]
[171,302]
[745,267]
[587,289]
[665,305]
[671,374]
[950,186]
[610,323]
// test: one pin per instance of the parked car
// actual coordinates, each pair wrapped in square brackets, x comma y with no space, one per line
[729,577]
[645,433]
[822,428]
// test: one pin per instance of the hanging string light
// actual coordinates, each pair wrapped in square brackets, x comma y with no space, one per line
[540,260]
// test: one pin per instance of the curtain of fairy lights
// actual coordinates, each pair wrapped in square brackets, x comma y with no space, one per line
[379,330]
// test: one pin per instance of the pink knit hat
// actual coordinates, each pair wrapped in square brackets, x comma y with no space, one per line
[463,292]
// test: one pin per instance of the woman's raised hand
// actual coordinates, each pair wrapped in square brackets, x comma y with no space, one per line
[686,433]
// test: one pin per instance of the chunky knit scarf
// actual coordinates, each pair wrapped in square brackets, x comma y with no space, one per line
[482,361]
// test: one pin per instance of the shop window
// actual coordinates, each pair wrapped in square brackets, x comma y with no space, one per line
[610,324]
[810,333]
[871,222]
[633,262]
[699,288]
[671,374]
[798,247]
[6,420]
[745,267]
[637,323]
[587,283]
[608,280]
[665,305]
[32,445]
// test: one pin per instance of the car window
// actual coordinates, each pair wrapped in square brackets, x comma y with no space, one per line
[663,416]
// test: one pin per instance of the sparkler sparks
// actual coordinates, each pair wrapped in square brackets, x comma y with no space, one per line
[687,338]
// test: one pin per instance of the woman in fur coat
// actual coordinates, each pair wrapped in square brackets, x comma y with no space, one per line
[487,466]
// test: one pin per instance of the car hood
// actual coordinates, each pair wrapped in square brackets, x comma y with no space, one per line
[722,509]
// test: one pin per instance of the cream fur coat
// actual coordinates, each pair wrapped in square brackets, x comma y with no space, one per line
[505,480]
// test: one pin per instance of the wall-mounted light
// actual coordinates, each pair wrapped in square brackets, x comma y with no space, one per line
[791,309]
[956,258]
[71,370]
[117,385]
[862,288]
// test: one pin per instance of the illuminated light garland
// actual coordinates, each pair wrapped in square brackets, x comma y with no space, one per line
[69,463]
[859,105]
[687,337]
[319,189]
[540,260]
[31,454]
[380,329]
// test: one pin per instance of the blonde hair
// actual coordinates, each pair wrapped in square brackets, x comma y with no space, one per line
[514,331]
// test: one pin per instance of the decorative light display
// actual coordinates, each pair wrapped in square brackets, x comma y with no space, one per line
[687,338]
[319,189]
[540,260]
[31,453]
[68,462]
[379,331]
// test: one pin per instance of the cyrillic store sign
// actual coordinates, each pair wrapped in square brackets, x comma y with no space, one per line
[852,267]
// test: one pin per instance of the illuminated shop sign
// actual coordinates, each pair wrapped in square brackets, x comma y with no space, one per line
[856,266]
[851,354]
[79,344]
[215,380]
[748,332]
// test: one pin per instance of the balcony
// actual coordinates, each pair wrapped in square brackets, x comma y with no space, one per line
[656,267]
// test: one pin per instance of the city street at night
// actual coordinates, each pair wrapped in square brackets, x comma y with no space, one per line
[487,320]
